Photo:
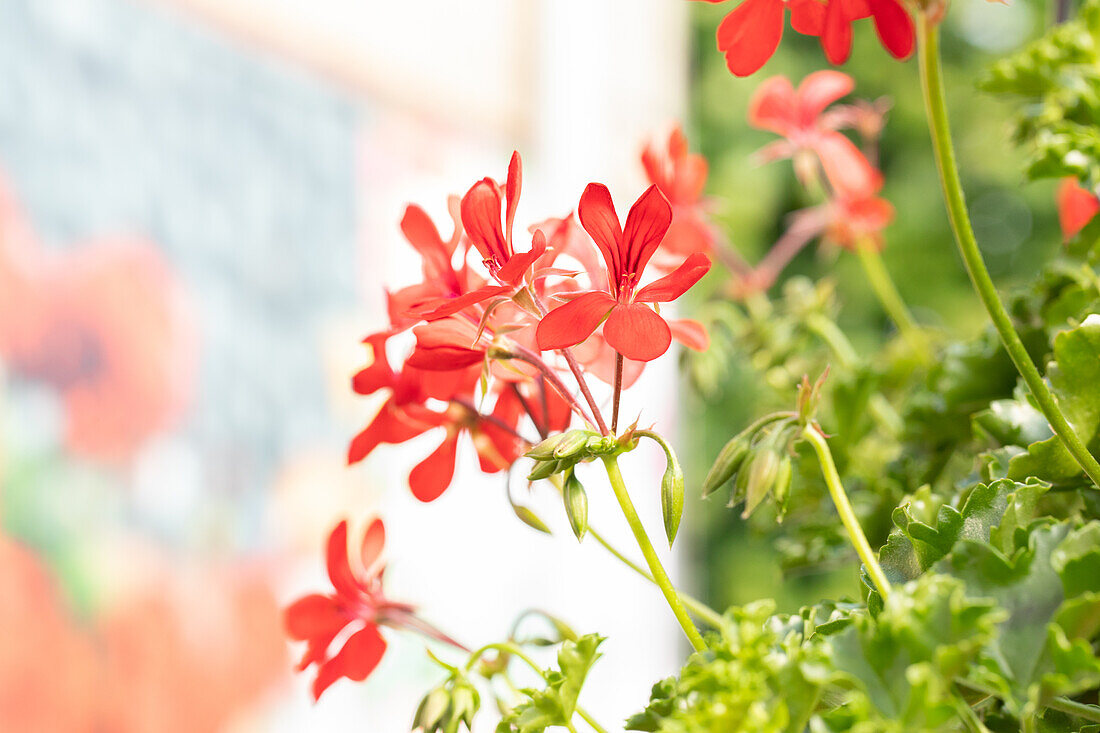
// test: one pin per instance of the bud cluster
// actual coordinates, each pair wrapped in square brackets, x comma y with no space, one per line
[758,462]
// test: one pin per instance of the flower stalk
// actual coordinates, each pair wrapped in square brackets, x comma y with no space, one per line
[844,509]
[660,577]
[931,75]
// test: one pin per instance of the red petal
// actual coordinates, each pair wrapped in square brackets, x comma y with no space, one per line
[1076,207]
[481,218]
[750,34]
[894,27]
[573,322]
[516,268]
[636,332]
[443,307]
[836,40]
[444,358]
[378,374]
[848,171]
[313,616]
[690,333]
[772,106]
[433,475]
[676,283]
[374,539]
[807,16]
[338,564]
[511,192]
[392,424]
[820,89]
[422,234]
[361,654]
[598,217]
[646,225]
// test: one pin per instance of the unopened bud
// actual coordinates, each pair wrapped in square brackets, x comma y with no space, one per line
[576,505]
[726,464]
[572,443]
[545,450]
[672,498]
[760,479]
[544,469]
[431,709]
[782,489]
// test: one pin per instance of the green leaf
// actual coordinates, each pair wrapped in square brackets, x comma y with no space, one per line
[902,664]
[555,705]
[1075,381]
[760,676]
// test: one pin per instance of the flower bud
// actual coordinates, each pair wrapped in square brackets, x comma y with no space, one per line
[465,702]
[672,498]
[782,489]
[572,443]
[544,469]
[432,709]
[545,450]
[576,505]
[760,479]
[726,464]
[529,518]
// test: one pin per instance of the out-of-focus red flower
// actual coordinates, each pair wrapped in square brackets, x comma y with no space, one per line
[632,327]
[359,603]
[1076,207]
[47,666]
[104,325]
[174,658]
[854,223]
[800,117]
[681,176]
[750,34]
[191,653]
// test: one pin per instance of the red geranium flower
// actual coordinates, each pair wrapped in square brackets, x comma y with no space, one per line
[749,35]
[1076,207]
[358,601]
[633,329]
[681,176]
[800,117]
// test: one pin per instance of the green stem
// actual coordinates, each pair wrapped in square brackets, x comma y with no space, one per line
[514,650]
[844,508]
[660,577]
[1077,709]
[936,108]
[890,299]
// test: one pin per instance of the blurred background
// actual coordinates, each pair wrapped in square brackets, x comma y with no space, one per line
[198,215]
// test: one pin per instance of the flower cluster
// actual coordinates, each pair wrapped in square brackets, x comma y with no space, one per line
[750,34]
[852,214]
[496,328]
[358,602]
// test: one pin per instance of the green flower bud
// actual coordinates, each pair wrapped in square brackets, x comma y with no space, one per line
[545,450]
[761,477]
[672,497]
[576,504]
[729,459]
[432,709]
[572,443]
[782,489]
[544,469]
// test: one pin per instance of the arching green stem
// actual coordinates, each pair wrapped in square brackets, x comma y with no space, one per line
[931,73]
